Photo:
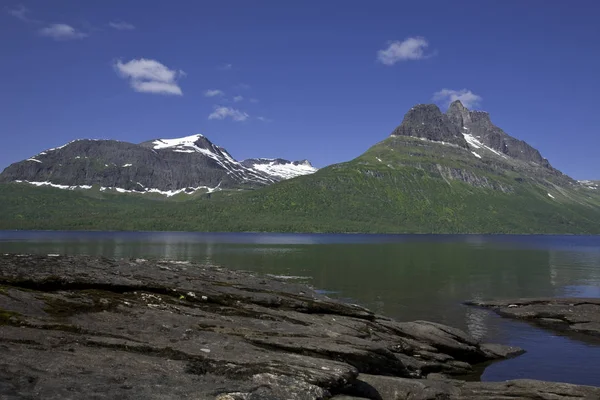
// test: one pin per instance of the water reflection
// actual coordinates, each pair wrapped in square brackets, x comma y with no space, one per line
[407,277]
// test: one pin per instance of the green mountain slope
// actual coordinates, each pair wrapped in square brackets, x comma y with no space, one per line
[402,184]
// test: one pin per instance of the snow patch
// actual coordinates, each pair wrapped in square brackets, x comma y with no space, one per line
[436,141]
[188,141]
[219,155]
[54,185]
[549,195]
[589,184]
[126,165]
[476,155]
[33,159]
[285,171]
[473,142]
[168,193]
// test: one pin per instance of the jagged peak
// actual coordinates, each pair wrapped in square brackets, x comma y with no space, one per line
[303,162]
[459,114]
[424,107]
[457,104]
[428,122]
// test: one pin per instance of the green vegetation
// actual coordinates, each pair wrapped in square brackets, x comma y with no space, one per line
[8,317]
[399,185]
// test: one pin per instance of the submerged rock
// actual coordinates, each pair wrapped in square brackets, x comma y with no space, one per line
[81,327]
[574,315]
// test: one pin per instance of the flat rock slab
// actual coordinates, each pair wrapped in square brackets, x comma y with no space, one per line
[85,327]
[576,315]
[384,387]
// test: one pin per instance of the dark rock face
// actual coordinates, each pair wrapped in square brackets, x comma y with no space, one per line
[135,329]
[427,121]
[165,165]
[574,315]
[478,124]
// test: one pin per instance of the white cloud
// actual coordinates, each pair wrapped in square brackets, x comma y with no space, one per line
[121,25]
[410,49]
[62,32]
[156,87]
[213,93]
[243,86]
[263,119]
[226,67]
[253,100]
[466,97]
[228,112]
[238,98]
[150,76]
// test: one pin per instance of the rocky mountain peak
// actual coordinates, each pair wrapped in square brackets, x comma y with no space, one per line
[426,121]
[458,114]
[472,130]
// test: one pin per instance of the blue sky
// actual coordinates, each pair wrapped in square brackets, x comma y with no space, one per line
[296,79]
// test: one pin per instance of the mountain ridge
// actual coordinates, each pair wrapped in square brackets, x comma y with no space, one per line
[165,166]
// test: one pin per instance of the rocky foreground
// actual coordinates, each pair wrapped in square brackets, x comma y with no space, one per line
[573,315]
[82,327]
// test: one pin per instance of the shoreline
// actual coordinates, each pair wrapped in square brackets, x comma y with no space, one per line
[145,329]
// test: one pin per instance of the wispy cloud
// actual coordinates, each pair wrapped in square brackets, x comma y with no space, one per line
[412,48]
[213,93]
[225,67]
[237,99]
[62,32]
[222,112]
[242,86]
[150,76]
[253,100]
[20,12]
[263,119]
[121,25]
[466,97]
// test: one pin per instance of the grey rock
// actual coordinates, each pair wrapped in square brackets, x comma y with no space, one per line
[574,315]
[392,388]
[198,331]
[426,121]
[501,351]
[479,124]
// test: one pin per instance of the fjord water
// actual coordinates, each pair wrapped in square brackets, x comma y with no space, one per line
[406,277]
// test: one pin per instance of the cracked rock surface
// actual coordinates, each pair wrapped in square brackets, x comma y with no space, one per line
[86,327]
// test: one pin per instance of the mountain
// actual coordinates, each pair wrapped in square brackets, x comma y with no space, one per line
[452,172]
[166,166]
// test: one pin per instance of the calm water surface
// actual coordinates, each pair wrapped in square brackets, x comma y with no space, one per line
[407,277]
